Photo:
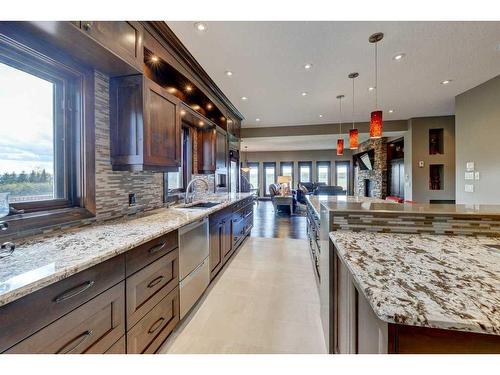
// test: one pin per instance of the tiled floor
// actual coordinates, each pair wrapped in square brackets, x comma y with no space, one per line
[265,301]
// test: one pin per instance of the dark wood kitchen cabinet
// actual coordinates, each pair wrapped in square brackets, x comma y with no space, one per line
[124,38]
[212,150]
[220,244]
[145,126]
[206,150]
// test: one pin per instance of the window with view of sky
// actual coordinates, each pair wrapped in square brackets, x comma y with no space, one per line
[26,135]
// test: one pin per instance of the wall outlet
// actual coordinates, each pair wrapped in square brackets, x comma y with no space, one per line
[476,176]
[469,188]
[421,164]
[469,166]
[131,199]
[469,175]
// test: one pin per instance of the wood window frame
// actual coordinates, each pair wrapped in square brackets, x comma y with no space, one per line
[349,179]
[265,182]
[30,54]
[308,164]
[254,164]
[327,163]
[291,164]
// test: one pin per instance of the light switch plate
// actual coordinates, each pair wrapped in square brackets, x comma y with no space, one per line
[469,188]
[476,176]
[469,166]
[469,175]
[421,164]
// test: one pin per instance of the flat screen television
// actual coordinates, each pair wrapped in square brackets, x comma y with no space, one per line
[365,160]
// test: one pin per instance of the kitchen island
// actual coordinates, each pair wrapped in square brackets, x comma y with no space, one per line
[415,293]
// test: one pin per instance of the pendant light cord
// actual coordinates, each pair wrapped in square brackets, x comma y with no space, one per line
[376,77]
[353,102]
[340,101]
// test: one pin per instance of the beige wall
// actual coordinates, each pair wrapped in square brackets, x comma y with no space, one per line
[417,149]
[477,140]
[296,156]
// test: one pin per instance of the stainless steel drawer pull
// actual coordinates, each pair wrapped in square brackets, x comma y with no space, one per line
[155,281]
[74,292]
[157,248]
[156,325]
[78,341]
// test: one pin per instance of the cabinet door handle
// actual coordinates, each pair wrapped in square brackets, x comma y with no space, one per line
[156,325]
[79,340]
[74,291]
[157,248]
[155,281]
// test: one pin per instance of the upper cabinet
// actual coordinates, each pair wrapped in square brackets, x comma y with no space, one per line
[125,38]
[220,150]
[145,125]
[212,150]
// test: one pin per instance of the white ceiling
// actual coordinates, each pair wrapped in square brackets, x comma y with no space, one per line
[267,60]
[303,142]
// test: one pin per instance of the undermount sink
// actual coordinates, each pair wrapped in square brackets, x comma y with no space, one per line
[202,205]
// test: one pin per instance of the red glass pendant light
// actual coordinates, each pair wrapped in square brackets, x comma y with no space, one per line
[353,139]
[340,140]
[353,133]
[340,147]
[376,124]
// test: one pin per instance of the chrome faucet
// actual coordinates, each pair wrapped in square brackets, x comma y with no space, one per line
[186,195]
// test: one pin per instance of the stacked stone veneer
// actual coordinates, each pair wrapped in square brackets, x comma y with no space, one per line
[377,176]
[113,187]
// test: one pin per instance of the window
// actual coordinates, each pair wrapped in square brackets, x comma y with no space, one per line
[305,169]
[269,175]
[286,169]
[323,172]
[253,175]
[342,174]
[46,154]
[176,182]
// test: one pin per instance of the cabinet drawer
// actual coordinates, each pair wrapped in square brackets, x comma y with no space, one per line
[150,285]
[118,347]
[92,328]
[21,318]
[150,332]
[150,251]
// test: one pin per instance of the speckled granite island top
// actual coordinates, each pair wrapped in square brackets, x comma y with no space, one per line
[436,281]
[42,260]
[341,201]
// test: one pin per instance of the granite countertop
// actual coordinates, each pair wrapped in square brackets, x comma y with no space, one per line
[340,201]
[437,281]
[370,205]
[42,260]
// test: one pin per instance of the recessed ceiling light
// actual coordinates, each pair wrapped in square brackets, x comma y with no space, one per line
[308,66]
[399,57]
[303,93]
[201,123]
[183,112]
[446,81]
[229,73]
[189,88]
[371,88]
[209,106]
[320,116]
[244,98]
[155,58]
[257,119]
[200,26]
[391,110]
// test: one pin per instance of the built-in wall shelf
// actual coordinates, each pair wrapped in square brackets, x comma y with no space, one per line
[436,141]
[436,176]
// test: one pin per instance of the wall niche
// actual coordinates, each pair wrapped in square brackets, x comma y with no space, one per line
[436,176]
[436,142]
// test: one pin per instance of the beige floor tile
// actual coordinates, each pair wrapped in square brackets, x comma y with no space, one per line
[266,301]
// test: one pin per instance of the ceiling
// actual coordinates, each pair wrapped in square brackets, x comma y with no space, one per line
[267,60]
[302,142]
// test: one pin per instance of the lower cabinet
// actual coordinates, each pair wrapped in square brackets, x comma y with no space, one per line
[92,328]
[228,228]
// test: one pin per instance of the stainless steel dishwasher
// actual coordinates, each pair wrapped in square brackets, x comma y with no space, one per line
[194,270]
